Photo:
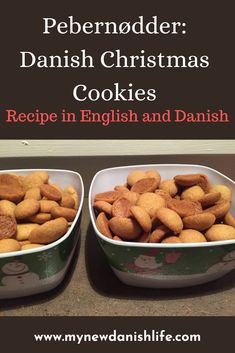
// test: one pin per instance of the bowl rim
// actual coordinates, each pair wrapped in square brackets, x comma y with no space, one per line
[67,234]
[154,245]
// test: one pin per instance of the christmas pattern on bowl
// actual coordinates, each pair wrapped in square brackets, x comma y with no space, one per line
[28,269]
[170,261]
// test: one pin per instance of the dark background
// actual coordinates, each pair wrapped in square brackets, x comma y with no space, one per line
[214,336]
[209,32]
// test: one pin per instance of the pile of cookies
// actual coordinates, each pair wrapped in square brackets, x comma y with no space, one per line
[184,209]
[33,211]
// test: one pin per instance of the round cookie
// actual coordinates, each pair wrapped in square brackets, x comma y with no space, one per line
[171,240]
[102,225]
[226,193]
[49,231]
[40,218]
[170,219]
[158,234]
[50,192]
[32,180]
[220,232]
[220,209]
[169,186]
[7,226]
[26,209]
[33,193]
[194,193]
[135,176]
[121,207]
[145,185]
[142,217]
[7,208]
[210,199]
[125,228]
[191,236]
[151,202]
[201,221]
[184,208]
[103,206]
[108,196]
[9,245]
[68,213]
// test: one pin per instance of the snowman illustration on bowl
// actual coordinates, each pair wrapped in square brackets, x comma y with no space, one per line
[146,264]
[17,274]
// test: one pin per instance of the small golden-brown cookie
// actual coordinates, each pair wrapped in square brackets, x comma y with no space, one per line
[210,199]
[47,205]
[102,224]
[31,246]
[151,202]
[108,196]
[32,180]
[26,209]
[9,245]
[33,193]
[40,218]
[43,175]
[201,221]
[125,228]
[170,219]
[135,176]
[73,192]
[50,192]
[220,209]
[164,194]
[10,180]
[154,174]
[49,231]
[7,208]
[11,188]
[226,193]
[229,219]
[7,226]
[220,232]
[23,231]
[187,179]
[170,186]
[67,200]
[204,183]
[121,207]
[142,217]
[191,236]
[158,234]
[145,185]
[171,240]
[184,208]
[194,193]
[103,206]
[193,179]
[68,213]
[131,196]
